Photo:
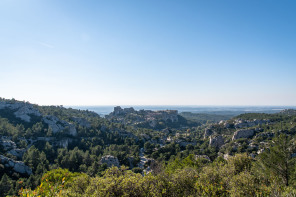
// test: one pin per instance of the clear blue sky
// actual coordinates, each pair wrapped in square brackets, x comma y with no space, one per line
[148,52]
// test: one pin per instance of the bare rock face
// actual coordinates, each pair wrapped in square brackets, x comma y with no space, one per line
[133,117]
[216,141]
[244,133]
[110,161]
[171,115]
[22,110]
[52,122]
[128,110]
[11,147]
[119,111]
[7,143]
[58,125]
[240,123]
[17,166]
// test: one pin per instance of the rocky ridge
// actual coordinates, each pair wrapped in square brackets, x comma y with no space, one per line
[25,111]
[22,110]
[216,141]
[10,147]
[17,166]
[58,125]
[243,133]
[130,116]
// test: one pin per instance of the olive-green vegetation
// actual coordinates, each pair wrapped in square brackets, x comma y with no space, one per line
[237,176]
[205,118]
[179,159]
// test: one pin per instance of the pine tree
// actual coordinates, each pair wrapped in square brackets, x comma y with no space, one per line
[5,185]
[277,161]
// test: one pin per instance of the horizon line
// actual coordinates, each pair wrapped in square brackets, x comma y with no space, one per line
[180,105]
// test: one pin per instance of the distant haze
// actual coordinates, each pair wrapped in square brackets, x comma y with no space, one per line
[223,110]
[151,52]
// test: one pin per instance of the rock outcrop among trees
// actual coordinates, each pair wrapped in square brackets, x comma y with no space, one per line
[160,153]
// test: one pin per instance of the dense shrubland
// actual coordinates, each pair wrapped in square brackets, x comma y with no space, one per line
[74,168]
[238,176]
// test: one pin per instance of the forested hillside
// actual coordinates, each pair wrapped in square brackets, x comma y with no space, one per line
[57,151]
[205,118]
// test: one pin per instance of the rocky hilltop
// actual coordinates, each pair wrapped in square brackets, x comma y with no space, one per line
[21,110]
[25,111]
[146,118]
[27,129]
[35,139]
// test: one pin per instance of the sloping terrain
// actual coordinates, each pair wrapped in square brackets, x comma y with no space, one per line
[37,139]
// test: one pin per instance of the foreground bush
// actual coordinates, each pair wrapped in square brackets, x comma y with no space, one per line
[235,177]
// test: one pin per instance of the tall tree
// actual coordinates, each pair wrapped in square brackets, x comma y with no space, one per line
[5,185]
[277,161]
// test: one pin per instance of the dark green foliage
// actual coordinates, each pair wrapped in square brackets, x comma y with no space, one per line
[138,170]
[251,116]
[176,171]
[5,185]
[148,147]
[204,118]
[36,160]
[185,178]
[277,161]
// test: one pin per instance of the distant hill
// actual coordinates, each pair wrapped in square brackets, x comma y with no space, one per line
[288,112]
[147,118]
[202,118]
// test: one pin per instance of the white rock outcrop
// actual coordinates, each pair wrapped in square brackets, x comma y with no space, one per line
[22,110]
[243,133]
[17,166]
[7,144]
[216,141]
[10,146]
[25,111]
[58,125]
[240,123]
[52,122]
